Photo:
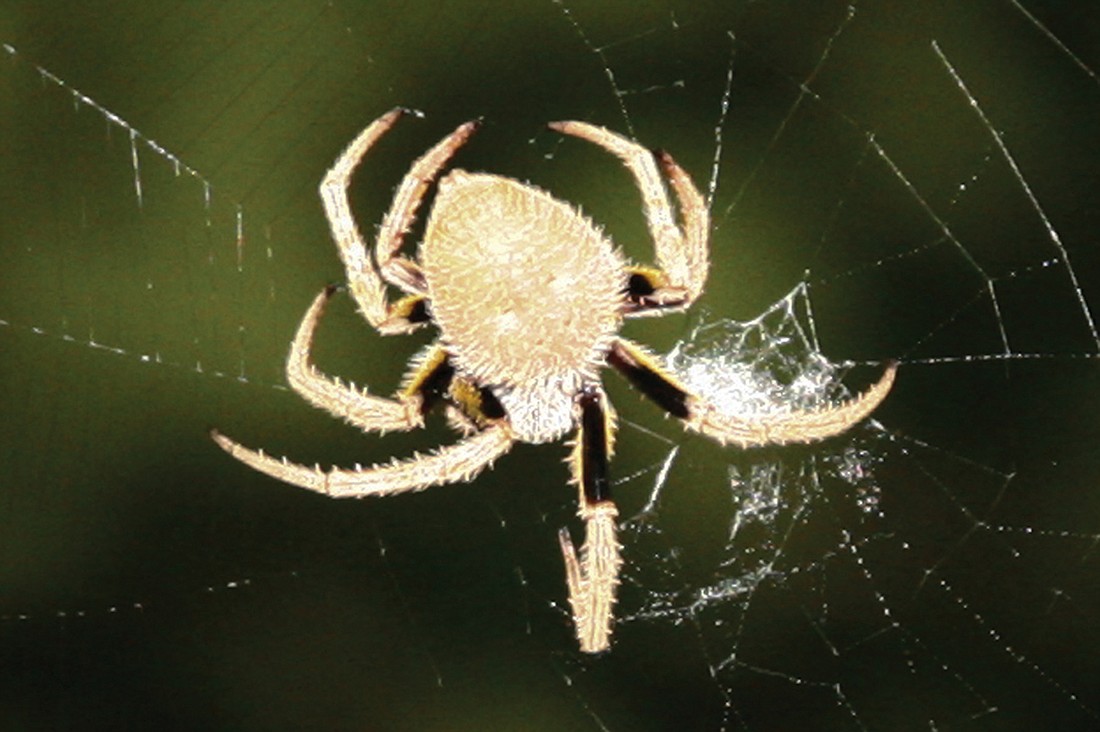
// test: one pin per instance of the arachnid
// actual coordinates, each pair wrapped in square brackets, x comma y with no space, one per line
[528,296]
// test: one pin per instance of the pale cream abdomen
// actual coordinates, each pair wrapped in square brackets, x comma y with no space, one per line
[524,288]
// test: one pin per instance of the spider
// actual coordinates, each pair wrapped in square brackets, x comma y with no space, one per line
[528,296]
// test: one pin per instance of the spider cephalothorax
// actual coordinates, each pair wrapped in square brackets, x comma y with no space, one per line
[528,296]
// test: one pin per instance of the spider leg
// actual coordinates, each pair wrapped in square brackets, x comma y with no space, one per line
[364,281]
[410,192]
[358,407]
[592,576]
[459,462]
[644,371]
[681,254]
[428,381]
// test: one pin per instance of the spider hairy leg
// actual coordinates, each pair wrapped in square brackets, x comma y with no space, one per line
[592,575]
[365,283]
[691,264]
[398,220]
[460,462]
[355,406]
[681,253]
[644,371]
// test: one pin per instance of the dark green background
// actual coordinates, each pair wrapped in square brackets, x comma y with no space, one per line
[148,582]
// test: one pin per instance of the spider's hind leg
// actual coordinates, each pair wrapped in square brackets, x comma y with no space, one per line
[643,370]
[592,575]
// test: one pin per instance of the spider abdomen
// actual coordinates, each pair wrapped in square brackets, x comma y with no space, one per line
[523,287]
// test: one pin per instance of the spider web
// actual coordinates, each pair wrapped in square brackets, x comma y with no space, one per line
[887,181]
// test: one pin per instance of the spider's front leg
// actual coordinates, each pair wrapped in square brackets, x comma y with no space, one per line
[366,282]
[592,576]
[366,285]
[681,251]
[644,371]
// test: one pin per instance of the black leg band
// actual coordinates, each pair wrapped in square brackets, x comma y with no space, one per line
[641,291]
[595,446]
[650,379]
